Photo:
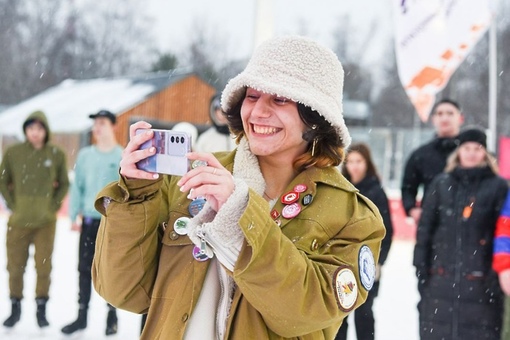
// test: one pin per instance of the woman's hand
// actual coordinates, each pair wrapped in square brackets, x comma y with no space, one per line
[213,181]
[504,281]
[415,213]
[131,154]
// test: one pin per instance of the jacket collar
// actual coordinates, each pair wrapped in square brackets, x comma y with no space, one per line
[367,182]
[475,174]
[446,144]
[244,165]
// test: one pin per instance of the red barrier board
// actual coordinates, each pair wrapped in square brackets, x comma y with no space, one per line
[504,157]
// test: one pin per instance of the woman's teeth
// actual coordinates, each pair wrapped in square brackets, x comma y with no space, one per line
[264,130]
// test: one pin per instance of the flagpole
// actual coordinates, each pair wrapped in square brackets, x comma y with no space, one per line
[264,21]
[493,87]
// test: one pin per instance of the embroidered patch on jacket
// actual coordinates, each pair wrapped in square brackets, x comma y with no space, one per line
[346,288]
[366,265]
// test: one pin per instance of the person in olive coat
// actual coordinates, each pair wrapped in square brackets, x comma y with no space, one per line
[460,293]
[360,170]
[33,182]
[248,244]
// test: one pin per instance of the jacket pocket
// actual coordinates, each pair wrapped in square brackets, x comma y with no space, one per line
[177,268]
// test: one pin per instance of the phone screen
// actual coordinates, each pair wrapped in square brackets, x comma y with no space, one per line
[171,148]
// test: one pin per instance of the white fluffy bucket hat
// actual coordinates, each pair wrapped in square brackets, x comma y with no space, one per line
[299,69]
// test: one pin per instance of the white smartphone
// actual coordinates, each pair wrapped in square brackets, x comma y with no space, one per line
[171,148]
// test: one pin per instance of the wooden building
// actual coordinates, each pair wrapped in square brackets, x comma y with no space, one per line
[163,97]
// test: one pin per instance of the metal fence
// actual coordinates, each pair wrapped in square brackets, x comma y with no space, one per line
[390,150]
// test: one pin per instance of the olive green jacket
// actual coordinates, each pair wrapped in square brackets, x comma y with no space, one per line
[142,265]
[33,181]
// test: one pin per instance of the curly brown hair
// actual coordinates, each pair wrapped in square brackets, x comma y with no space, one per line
[329,150]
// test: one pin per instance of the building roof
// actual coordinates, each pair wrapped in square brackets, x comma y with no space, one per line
[68,104]
[356,109]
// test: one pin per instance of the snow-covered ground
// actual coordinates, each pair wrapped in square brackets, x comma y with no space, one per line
[62,307]
[395,307]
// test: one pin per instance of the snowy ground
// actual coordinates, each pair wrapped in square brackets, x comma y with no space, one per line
[395,307]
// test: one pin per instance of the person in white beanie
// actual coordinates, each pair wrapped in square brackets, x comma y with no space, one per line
[268,241]
[217,137]
[190,129]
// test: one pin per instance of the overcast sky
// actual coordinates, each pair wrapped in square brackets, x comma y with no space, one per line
[234,19]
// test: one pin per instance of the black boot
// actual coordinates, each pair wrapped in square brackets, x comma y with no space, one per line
[111,321]
[79,324]
[41,312]
[15,314]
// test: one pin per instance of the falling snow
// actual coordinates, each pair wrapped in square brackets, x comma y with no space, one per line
[395,307]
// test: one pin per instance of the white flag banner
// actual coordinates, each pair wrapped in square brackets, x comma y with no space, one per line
[432,38]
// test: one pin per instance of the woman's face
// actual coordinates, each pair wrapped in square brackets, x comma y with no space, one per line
[471,154]
[356,166]
[273,126]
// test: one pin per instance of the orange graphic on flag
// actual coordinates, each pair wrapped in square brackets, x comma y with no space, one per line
[432,39]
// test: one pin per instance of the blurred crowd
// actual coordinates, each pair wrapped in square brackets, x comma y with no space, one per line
[451,189]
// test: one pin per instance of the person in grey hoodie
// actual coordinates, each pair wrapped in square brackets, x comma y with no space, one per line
[33,182]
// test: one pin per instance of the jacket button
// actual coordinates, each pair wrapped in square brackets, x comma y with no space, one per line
[184,317]
[315,245]
[173,235]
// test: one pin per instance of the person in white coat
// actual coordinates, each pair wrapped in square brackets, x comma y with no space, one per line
[217,137]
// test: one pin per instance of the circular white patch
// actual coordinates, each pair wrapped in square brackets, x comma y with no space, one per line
[346,288]
[366,265]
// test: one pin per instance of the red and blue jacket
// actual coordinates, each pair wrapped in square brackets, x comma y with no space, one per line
[502,239]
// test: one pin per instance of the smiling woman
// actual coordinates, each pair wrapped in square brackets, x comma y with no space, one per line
[247,239]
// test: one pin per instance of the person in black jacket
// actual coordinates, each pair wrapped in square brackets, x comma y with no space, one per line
[360,170]
[460,293]
[430,159]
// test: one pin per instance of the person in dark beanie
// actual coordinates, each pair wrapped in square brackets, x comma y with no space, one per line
[430,159]
[96,166]
[217,137]
[460,293]
[33,182]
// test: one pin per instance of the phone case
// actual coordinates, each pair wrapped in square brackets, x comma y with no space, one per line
[171,148]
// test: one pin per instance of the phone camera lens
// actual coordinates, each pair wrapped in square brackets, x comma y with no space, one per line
[172,139]
[182,140]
